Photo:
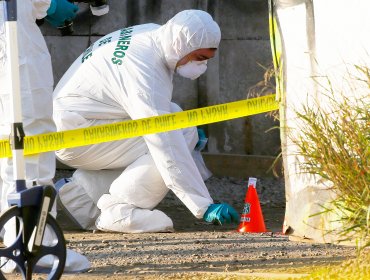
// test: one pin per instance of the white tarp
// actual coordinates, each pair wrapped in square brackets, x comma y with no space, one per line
[321,42]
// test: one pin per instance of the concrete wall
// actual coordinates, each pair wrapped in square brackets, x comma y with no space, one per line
[235,69]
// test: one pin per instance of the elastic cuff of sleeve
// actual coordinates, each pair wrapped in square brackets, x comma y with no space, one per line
[52,8]
[202,212]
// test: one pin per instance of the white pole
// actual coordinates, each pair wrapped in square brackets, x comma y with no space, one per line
[17,134]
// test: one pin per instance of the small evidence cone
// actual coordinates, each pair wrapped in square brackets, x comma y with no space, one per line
[251,219]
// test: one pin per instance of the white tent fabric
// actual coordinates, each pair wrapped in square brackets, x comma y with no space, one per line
[321,42]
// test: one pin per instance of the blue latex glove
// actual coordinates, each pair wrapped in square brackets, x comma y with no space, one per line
[202,142]
[61,11]
[221,213]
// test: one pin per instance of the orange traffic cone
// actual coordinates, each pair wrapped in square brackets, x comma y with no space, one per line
[252,219]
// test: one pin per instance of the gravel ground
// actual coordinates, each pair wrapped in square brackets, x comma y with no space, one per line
[198,250]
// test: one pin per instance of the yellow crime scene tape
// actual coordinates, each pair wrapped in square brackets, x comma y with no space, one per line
[127,129]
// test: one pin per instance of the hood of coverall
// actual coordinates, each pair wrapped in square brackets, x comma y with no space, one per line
[187,31]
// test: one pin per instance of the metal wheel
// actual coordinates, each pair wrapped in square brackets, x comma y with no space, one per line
[53,255]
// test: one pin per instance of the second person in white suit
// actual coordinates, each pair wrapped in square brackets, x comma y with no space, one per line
[36,90]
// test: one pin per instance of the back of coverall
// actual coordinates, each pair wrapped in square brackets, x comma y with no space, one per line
[36,89]
[128,75]
[36,86]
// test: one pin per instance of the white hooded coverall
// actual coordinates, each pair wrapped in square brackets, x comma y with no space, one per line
[36,86]
[128,75]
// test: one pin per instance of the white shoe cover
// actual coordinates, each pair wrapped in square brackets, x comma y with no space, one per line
[75,262]
[7,266]
[121,217]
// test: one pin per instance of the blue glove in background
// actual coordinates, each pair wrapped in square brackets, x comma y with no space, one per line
[202,142]
[221,213]
[60,11]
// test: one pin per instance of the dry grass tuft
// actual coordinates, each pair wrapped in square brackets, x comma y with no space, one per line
[335,144]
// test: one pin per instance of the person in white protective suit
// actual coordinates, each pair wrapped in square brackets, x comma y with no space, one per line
[36,86]
[128,75]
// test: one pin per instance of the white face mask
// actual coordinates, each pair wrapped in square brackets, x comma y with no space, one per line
[192,69]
